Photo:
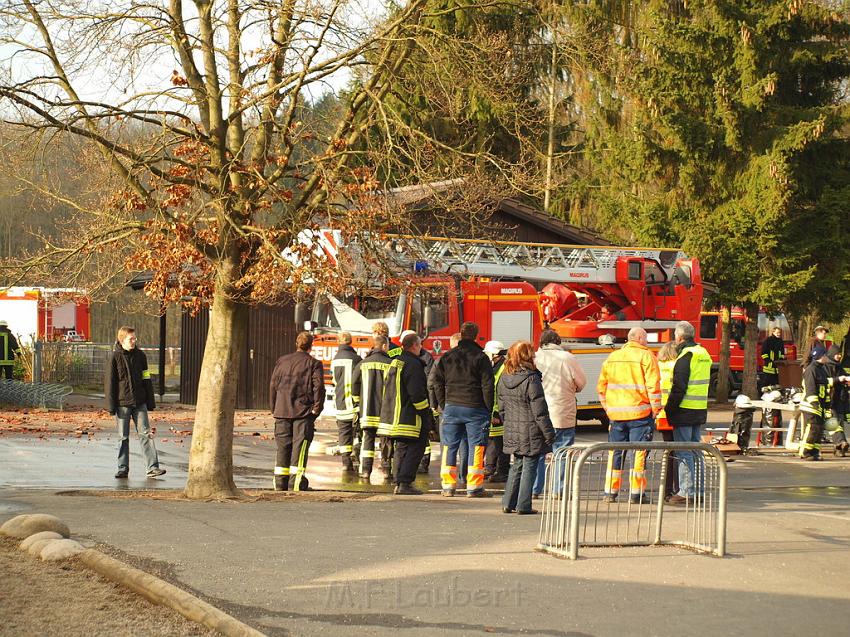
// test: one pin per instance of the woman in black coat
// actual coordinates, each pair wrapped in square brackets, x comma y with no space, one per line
[528,430]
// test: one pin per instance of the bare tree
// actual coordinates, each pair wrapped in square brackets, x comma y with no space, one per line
[202,111]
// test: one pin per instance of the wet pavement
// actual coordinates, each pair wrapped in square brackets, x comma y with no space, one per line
[64,462]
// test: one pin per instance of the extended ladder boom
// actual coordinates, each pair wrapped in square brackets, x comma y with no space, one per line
[533,261]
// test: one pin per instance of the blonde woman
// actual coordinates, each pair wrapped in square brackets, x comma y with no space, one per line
[666,362]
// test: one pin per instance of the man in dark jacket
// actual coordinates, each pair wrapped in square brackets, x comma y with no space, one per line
[428,363]
[816,406]
[772,350]
[8,349]
[297,395]
[342,367]
[129,395]
[367,387]
[463,384]
[406,413]
[687,408]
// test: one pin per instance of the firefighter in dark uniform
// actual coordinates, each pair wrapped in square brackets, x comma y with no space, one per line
[816,406]
[367,386]
[428,363]
[342,366]
[772,350]
[379,328]
[297,396]
[8,349]
[497,464]
[406,413]
[838,424]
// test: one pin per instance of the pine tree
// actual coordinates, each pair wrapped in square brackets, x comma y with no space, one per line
[718,126]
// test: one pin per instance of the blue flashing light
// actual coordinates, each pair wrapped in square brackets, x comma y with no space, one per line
[421,267]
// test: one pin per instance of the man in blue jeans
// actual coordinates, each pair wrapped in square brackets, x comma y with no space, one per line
[629,389]
[463,386]
[687,409]
[129,396]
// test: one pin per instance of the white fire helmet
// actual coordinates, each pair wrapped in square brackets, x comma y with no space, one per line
[606,340]
[492,348]
[403,334]
[743,402]
[772,396]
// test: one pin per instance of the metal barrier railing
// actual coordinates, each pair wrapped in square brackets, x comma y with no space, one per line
[44,395]
[584,506]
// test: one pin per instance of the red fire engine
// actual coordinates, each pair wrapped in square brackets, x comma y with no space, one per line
[587,292]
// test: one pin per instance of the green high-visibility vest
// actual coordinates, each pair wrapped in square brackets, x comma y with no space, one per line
[696,395]
[497,430]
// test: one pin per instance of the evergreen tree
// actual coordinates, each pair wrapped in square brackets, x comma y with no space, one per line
[717,125]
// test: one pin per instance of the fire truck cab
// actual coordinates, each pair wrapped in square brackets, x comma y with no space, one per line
[709,336]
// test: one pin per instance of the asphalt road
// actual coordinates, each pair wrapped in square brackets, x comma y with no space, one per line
[432,566]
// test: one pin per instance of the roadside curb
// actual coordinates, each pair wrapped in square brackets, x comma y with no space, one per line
[165,594]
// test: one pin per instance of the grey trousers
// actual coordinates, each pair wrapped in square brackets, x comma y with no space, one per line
[139,416]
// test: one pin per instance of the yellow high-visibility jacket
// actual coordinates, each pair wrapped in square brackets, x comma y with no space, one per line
[629,384]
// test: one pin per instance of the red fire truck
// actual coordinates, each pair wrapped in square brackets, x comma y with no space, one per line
[512,291]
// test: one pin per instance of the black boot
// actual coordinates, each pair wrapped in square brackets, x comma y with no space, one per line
[425,465]
[281,483]
[405,488]
[347,463]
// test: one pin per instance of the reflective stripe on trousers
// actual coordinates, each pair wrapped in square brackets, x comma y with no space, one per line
[448,474]
[300,468]
[475,471]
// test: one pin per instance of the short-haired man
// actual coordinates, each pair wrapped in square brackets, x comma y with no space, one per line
[463,383]
[629,389]
[406,413]
[563,378]
[342,368]
[428,363]
[367,385]
[687,407]
[818,346]
[296,395]
[129,395]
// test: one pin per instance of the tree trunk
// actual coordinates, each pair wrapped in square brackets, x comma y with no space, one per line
[751,334]
[211,456]
[550,143]
[805,328]
[723,380]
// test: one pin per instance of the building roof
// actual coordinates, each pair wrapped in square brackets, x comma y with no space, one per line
[572,234]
